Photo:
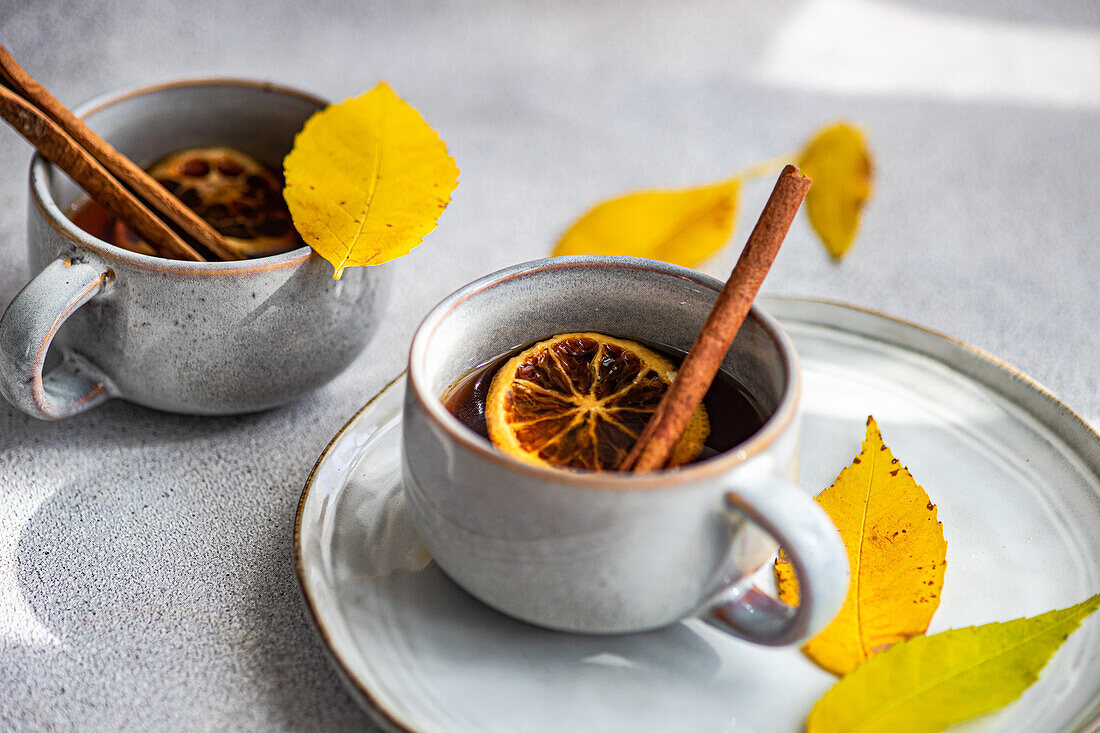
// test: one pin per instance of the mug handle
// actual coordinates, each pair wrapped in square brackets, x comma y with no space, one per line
[812,543]
[29,325]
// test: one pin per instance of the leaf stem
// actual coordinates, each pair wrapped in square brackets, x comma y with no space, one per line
[766,167]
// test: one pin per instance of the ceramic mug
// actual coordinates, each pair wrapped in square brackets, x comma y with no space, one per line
[190,337]
[610,552]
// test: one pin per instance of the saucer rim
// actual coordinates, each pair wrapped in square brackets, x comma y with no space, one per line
[368,701]
[390,721]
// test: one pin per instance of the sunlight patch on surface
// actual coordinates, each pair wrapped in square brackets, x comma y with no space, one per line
[868,47]
[17,620]
[607,659]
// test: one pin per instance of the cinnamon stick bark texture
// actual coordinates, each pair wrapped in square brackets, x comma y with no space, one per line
[118,164]
[89,174]
[654,445]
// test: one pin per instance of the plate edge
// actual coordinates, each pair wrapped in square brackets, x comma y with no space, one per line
[1090,721]
[378,713]
[974,351]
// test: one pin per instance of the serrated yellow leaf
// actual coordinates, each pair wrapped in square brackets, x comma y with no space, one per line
[896,558]
[927,683]
[839,162]
[683,226]
[367,180]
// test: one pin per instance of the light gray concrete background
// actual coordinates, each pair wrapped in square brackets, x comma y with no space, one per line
[145,558]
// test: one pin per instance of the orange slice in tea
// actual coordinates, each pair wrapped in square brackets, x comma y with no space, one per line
[237,195]
[233,192]
[580,400]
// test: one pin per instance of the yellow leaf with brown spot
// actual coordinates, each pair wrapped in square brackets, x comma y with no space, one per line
[367,180]
[839,162]
[896,558]
[682,226]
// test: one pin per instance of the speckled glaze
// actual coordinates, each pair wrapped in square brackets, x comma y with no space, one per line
[606,552]
[201,338]
[1015,474]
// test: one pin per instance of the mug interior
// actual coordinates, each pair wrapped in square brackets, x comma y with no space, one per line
[642,300]
[258,119]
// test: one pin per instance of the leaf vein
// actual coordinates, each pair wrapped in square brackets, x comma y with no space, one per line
[940,680]
[859,556]
[376,173]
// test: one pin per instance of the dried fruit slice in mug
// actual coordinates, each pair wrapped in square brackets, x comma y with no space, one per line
[234,193]
[580,400]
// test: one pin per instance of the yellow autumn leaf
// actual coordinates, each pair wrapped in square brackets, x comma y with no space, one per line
[927,683]
[682,226]
[839,162]
[896,558]
[367,180]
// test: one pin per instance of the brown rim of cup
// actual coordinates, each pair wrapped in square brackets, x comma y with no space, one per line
[43,200]
[780,419]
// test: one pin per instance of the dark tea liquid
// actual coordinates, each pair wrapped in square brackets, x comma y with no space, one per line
[92,218]
[236,195]
[734,414]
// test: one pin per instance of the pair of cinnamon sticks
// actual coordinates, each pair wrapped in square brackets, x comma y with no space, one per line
[101,170]
[654,446]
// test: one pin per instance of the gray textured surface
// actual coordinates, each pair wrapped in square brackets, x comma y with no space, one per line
[145,559]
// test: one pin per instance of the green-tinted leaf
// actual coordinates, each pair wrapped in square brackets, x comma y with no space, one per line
[930,682]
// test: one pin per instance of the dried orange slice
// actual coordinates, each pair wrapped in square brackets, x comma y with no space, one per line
[233,192]
[580,400]
[236,194]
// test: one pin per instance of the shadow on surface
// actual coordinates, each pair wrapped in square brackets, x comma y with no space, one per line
[122,424]
[1059,13]
[125,584]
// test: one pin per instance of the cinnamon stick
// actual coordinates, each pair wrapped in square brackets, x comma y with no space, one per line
[118,164]
[89,174]
[654,445]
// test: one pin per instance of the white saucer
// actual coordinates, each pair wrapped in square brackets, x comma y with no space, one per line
[1014,472]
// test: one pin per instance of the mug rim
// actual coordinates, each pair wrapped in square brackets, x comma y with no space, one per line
[52,213]
[777,423]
